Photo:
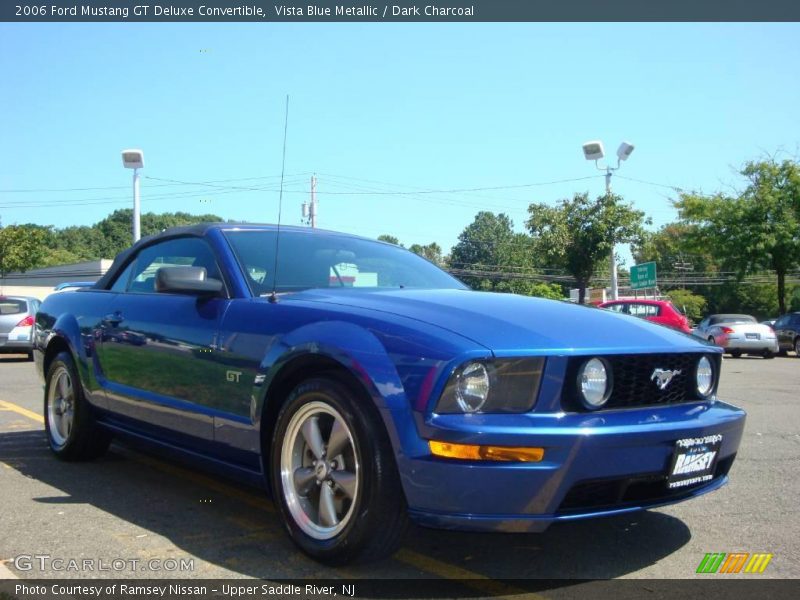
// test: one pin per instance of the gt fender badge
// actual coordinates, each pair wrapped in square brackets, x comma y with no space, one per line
[233,376]
[662,377]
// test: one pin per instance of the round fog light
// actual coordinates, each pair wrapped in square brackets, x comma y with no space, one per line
[594,383]
[705,377]
[472,387]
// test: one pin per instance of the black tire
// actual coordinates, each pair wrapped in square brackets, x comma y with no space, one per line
[797,347]
[30,356]
[768,354]
[77,437]
[782,352]
[373,512]
[736,353]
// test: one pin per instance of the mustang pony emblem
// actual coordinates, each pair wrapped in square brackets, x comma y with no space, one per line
[662,377]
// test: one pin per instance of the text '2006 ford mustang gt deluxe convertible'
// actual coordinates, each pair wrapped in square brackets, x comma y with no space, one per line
[363,385]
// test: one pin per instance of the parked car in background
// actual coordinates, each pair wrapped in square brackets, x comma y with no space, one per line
[787,329]
[769,322]
[17,315]
[72,285]
[365,386]
[738,334]
[662,312]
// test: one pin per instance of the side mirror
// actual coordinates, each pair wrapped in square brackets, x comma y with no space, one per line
[186,280]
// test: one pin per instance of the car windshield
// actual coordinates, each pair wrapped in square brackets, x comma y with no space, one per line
[312,260]
[732,319]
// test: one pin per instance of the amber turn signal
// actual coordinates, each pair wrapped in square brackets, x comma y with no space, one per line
[499,453]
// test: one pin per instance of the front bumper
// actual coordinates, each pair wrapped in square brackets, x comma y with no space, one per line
[595,464]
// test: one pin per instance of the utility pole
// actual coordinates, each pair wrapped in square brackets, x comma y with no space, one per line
[313,202]
[683,267]
[310,208]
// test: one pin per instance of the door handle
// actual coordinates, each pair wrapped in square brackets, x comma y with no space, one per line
[113,319]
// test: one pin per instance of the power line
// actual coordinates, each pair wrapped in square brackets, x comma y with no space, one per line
[464,190]
[126,198]
[125,187]
[653,183]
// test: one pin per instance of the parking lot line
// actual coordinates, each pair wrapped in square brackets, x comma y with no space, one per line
[5,572]
[482,583]
[422,562]
[21,411]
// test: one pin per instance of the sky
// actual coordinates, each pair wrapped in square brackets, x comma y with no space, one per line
[388,108]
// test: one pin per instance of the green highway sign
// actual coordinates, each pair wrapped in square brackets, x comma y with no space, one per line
[643,276]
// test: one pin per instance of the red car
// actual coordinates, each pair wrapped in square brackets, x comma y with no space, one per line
[662,312]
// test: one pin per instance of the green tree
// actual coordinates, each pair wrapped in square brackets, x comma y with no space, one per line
[432,251]
[757,230]
[693,305]
[491,256]
[389,239]
[58,256]
[486,247]
[673,244]
[81,242]
[22,247]
[116,228]
[530,288]
[578,234]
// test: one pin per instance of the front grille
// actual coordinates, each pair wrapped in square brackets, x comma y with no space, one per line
[603,494]
[633,383]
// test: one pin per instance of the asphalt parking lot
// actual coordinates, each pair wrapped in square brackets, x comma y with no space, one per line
[129,505]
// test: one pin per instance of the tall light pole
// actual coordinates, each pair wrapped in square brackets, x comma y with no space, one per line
[134,159]
[594,151]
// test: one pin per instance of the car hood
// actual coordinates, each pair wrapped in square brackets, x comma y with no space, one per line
[509,324]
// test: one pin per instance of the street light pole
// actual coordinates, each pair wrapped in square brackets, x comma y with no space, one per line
[137,228]
[594,151]
[134,159]
[614,278]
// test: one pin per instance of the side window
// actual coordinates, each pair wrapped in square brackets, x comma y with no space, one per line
[637,310]
[181,252]
[121,282]
[617,308]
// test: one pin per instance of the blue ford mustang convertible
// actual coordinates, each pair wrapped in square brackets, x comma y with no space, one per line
[362,385]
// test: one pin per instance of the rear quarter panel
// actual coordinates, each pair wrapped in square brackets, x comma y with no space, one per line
[73,317]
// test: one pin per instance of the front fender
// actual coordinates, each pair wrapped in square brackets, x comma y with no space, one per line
[362,354]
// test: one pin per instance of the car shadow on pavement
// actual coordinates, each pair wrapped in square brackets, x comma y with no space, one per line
[167,510]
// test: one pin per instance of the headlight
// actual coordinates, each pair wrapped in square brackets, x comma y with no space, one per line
[493,386]
[472,387]
[705,377]
[594,383]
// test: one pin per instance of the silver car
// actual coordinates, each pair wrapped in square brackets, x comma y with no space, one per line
[738,334]
[17,315]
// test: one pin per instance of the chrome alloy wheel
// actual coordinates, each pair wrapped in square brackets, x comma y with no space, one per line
[319,470]
[60,406]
